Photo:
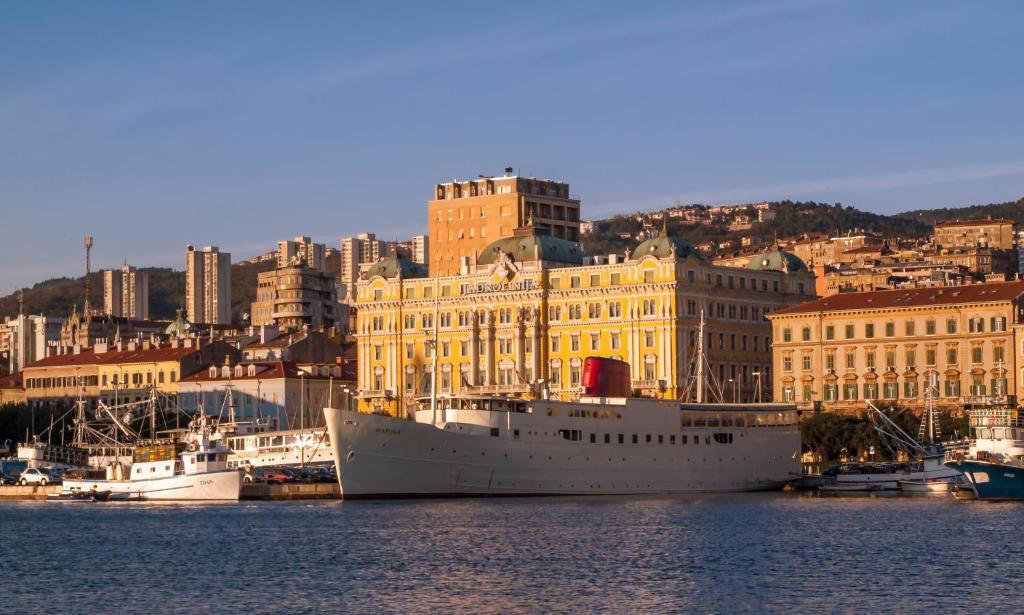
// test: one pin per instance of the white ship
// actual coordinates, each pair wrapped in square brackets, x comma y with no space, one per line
[161,472]
[475,445]
[259,448]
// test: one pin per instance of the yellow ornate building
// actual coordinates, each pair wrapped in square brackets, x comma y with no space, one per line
[531,308]
[890,346]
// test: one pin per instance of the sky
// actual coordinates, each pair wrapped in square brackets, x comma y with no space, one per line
[152,125]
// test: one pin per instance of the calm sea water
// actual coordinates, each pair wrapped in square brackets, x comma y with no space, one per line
[707,554]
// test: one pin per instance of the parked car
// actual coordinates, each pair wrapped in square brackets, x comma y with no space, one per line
[270,476]
[36,476]
[8,479]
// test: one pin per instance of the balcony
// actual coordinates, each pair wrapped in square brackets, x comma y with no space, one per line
[498,389]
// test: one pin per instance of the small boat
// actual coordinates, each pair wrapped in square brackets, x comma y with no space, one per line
[926,486]
[852,487]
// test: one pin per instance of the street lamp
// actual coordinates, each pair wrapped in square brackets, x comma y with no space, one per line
[302,423]
[735,386]
[757,388]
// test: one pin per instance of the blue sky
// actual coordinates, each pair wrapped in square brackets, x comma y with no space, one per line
[153,125]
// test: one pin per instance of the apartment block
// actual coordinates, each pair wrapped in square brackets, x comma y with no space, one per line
[465,216]
[208,285]
[363,249]
[126,293]
[301,251]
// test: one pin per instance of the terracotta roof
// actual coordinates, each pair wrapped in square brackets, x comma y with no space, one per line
[281,341]
[265,370]
[973,222]
[910,297]
[865,249]
[88,357]
[11,381]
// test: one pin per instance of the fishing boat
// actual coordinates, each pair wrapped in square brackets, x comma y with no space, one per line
[993,465]
[193,469]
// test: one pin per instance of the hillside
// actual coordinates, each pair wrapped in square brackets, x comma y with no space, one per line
[58,296]
[1011,210]
[792,219]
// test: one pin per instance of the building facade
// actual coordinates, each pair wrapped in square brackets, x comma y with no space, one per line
[126,293]
[892,346]
[466,216]
[208,285]
[996,233]
[363,249]
[28,338]
[295,297]
[301,251]
[531,309]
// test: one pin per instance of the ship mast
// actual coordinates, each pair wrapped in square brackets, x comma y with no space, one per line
[700,360]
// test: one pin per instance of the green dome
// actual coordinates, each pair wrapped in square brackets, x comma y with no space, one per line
[776,259]
[532,247]
[662,245]
[394,265]
[179,326]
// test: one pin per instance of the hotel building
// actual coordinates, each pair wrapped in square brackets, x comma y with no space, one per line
[530,308]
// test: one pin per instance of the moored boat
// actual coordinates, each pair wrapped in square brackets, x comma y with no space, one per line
[195,469]
[993,466]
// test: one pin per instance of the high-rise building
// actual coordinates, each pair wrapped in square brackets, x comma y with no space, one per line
[208,285]
[301,250]
[295,297]
[466,216]
[28,338]
[126,293]
[420,249]
[362,249]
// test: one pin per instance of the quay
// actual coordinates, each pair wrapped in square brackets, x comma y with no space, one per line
[250,491]
[27,492]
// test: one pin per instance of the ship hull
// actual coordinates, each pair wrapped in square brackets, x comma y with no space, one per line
[992,481]
[379,457]
[208,486]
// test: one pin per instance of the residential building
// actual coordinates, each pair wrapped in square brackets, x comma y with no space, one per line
[295,297]
[126,371]
[301,251]
[126,293]
[286,393]
[996,233]
[208,285]
[298,347]
[420,252]
[531,308]
[362,249]
[890,346]
[28,338]
[466,216]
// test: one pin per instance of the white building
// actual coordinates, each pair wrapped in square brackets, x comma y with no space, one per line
[126,293]
[27,338]
[301,251]
[208,285]
[363,249]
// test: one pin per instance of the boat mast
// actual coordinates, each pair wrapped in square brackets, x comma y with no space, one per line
[700,360]
[152,412]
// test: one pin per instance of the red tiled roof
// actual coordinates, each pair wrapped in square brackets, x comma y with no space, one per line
[910,297]
[11,381]
[88,357]
[864,249]
[265,371]
[280,341]
[977,222]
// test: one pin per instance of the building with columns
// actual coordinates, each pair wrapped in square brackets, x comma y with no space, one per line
[890,346]
[532,307]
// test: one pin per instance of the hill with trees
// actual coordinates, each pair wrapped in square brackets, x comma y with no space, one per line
[1011,210]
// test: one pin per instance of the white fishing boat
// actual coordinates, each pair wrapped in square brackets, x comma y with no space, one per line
[195,469]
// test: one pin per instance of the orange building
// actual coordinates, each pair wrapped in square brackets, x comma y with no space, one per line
[466,216]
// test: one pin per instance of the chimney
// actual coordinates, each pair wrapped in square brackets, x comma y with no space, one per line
[100,347]
[133,345]
[147,344]
[120,345]
[77,348]
[613,259]
[174,342]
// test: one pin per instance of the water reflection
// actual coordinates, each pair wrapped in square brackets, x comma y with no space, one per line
[760,552]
